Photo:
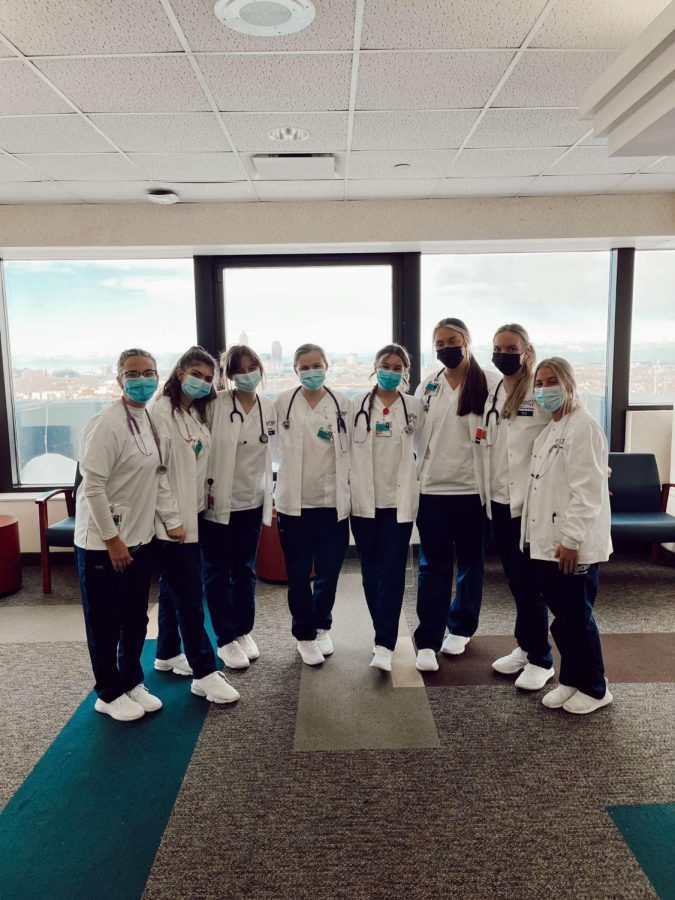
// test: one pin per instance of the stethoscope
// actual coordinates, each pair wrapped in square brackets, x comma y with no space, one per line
[135,430]
[341,424]
[551,455]
[366,415]
[431,394]
[493,411]
[236,412]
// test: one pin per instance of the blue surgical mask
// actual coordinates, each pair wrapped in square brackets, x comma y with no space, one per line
[248,382]
[551,398]
[195,388]
[140,389]
[389,380]
[312,379]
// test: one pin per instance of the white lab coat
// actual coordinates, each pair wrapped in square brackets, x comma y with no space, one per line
[519,432]
[362,476]
[423,436]
[222,458]
[289,452]
[567,500]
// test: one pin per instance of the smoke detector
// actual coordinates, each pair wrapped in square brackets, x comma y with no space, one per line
[265,18]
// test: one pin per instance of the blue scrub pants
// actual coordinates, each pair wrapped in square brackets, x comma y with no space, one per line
[315,537]
[449,525]
[531,630]
[181,604]
[382,544]
[228,566]
[116,617]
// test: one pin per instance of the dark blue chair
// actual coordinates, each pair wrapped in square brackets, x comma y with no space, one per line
[639,501]
[60,534]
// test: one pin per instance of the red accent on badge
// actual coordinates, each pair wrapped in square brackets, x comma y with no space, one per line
[385,411]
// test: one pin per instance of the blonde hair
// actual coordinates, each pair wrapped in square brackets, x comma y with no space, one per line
[308,348]
[525,377]
[565,375]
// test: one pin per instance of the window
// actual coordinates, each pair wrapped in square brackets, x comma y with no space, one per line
[68,322]
[652,364]
[560,298]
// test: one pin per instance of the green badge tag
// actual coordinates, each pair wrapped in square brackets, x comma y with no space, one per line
[431,388]
[383,429]
[325,434]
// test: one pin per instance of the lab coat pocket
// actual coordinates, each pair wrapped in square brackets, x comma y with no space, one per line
[120,514]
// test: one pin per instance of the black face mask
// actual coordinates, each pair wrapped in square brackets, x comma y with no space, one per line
[451,357]
[507,363]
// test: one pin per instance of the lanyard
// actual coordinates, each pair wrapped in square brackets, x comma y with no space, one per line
[135,430]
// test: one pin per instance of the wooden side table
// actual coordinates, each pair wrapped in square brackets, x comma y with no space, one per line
[10,555]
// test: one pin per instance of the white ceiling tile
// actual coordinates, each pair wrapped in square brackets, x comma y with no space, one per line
[300,190]
[601,24]
[11,169]
[327,131]
[663,184]
[595,161]
[500,163]
[594,141]
[64,27]
[22,93]
[110,191]
[529,128]
[377,164]
[665,167]
[57,134]
[412,129]
[279,83]
[82,166]
[552,78]
[127,84]
[411,189]
[429,80]
[190,166]
[233,192]
[480,187]
[165,132]
[550,185]
[332,29]
[447,24]
[36,192]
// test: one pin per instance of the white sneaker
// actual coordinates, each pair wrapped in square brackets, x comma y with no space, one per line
[511,664]
[233,656]
[381,658]
[249,646]
[141,695]
[122,708]
[454,644]
[533,678]
[557,697]
[176,664]
[310,653]
[325,641]
[426,661]
[215,687]
[581,703]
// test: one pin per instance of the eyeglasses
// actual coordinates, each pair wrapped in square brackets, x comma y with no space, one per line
[148,373]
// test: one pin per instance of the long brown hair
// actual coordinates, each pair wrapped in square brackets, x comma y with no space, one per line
[380,356]
[230,360]
[173,389]
[474,390]
[525,376]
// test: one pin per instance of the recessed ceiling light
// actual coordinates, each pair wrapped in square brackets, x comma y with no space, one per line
[161,195]
[288,134]
[265,18]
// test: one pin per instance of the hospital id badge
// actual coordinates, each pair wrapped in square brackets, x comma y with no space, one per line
[383,429]
[431,388]
[325,433]
[481,434]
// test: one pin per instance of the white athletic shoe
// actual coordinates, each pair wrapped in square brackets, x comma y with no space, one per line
[233,656]
[215,687]
[249,646]
[122,708]
[310,653]
[533,678]
[426,661]
[454,644]
[581,703]
[141,695]
[381,658]
[324,641]
[557,697]
[176,664]
[511,664]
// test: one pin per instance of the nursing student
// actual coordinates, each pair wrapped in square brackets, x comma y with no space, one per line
[451,516]
[385,492]
[312,498]
[566,529]
[124,485]
[512,422]
[180,413]
[238,502]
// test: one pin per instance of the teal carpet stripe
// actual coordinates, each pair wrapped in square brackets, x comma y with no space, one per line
[88,819]
[649,831]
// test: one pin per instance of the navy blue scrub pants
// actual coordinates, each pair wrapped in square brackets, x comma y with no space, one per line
[449,525]
[570,598]
[382,544]
[228,567]
[314,538]
[116,617]
[531,630]
[181,605]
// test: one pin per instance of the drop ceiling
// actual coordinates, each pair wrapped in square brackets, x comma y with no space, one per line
[102,100]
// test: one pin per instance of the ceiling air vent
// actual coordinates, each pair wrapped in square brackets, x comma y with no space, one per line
[294,166]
